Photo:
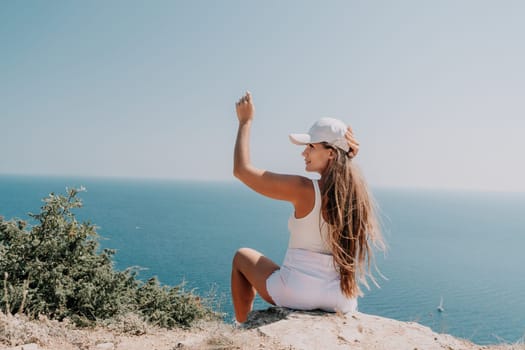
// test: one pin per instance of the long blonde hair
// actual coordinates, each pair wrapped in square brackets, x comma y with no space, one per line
[353,228]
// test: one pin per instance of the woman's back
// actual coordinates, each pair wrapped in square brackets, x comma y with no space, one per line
[310,232]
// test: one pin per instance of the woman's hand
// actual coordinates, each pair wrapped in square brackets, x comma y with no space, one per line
[245,108]
[352,142]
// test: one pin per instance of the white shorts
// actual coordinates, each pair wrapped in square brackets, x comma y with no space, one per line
[308,281]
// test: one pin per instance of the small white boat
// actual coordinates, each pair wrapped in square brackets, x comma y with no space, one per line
[440,306]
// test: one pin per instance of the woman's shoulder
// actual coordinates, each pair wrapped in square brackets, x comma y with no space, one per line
[302,185]
[305,182]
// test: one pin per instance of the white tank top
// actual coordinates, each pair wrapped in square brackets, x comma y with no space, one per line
[310,232]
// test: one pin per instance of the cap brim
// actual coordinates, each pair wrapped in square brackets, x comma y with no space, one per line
[300,139]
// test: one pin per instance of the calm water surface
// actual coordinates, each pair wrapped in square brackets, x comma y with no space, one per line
[466,247]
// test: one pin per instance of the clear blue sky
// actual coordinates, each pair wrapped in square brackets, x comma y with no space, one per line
[434,90]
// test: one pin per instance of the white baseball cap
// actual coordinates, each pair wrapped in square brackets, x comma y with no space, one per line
[328,130]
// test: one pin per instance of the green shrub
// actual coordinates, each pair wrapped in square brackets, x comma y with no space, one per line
[55,268]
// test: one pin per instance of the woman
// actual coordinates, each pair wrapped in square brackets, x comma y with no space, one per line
[331,230]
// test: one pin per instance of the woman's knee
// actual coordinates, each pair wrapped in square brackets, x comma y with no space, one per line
[241,256]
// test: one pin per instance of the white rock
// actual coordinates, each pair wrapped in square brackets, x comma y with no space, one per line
[31,346]
[105,346]
[318,330]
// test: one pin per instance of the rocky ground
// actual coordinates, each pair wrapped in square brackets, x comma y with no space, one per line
[274,328]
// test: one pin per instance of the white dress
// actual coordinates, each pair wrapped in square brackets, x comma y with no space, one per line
[307,279]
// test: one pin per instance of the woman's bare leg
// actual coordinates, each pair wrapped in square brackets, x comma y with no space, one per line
[250,269]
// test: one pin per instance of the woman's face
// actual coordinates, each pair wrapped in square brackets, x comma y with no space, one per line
[317,157]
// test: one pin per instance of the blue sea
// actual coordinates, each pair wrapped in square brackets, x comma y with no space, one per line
[464,247]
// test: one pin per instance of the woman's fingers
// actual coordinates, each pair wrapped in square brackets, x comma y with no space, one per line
[244,107]
[352,142]
[247,98]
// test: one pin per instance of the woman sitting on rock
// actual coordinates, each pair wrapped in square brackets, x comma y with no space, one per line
[331,230]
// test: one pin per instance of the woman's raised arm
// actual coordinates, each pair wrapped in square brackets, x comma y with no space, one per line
[292,188]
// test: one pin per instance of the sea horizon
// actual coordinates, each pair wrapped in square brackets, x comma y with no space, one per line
[76,177]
